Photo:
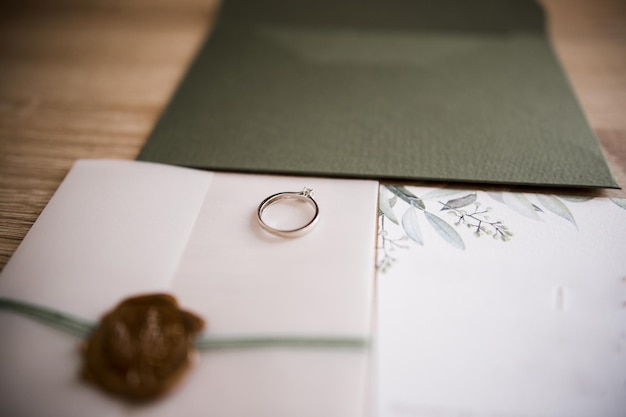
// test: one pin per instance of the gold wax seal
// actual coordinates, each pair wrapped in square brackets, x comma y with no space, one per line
[141,348]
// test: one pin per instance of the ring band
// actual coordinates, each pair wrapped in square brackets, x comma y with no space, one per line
[306,195]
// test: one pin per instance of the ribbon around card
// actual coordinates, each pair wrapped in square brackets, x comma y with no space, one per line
[141,348]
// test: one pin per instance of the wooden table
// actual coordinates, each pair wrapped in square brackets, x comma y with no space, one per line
[88,79]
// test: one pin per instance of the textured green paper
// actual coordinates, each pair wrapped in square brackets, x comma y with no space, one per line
[453,90]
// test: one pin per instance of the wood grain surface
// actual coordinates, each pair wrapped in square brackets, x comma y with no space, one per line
[88,79]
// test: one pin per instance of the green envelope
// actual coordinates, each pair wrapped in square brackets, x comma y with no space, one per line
[453,90]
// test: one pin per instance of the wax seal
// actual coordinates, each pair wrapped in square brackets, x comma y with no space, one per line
[141,348]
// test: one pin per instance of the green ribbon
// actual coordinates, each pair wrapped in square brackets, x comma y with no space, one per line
[209,343]
[82,329]
[60,321]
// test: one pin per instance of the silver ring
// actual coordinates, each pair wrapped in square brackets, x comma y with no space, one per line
[306,195]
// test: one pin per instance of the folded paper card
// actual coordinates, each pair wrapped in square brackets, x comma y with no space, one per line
[452,90]
[501,304]
[121,228]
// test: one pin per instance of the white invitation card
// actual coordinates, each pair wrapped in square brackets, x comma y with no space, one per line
[498,304]
[115,229]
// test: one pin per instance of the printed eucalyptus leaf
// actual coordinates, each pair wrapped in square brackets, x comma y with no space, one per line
[393,200]
[576,198]
[411,226]
[442,192]
[445,231]
[496,196]
[384,205]
[556,206]
[456,203]
[620,202]
[407,196]
[519,203]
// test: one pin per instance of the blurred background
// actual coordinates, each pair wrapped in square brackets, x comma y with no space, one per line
[89,78]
